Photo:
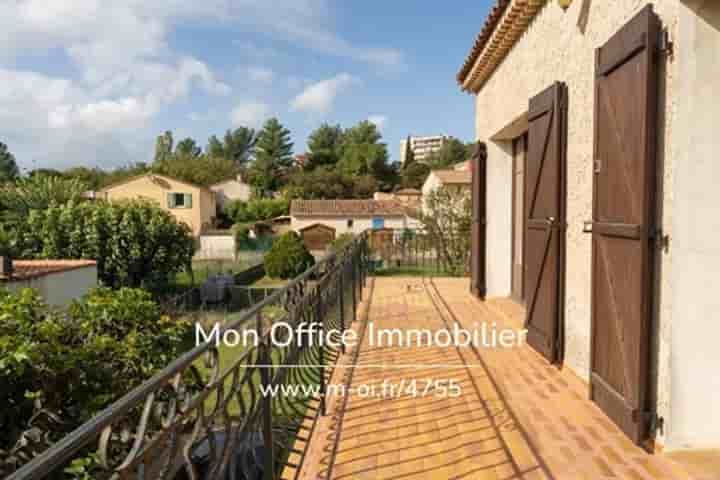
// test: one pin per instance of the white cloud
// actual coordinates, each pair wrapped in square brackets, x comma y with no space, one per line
[124,70]
[319,97]
[249,114]
[378,120]
[260,74]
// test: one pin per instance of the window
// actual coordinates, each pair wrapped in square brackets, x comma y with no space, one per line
[350,223]
[179,200]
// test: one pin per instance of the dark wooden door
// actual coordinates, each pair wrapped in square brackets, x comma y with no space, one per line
[517,290]
[623,221]
[318,236]
[478,166]
[545,223]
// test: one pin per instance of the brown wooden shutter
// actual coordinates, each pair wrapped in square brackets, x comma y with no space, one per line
[545,223]
[623,221]
[478,166]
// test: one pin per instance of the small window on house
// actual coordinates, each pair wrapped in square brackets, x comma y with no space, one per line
[350,223]
[179,200]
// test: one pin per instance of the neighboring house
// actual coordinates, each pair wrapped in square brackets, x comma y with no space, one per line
[597,199]
[409,197]
[58,282]
[422,147]
[229,190]
[456,180]
[193,204]
[325,220]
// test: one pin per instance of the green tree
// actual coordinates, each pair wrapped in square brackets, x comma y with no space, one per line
[239,145]
[273,157]
[164,147]
[135,243]
[8,167]
[202,170]
[188,147]
[37,192]
[409,153]
[453,151]
[93,178]
[363,152]
[325,146]
[320,183]
[288,257]
[414,175]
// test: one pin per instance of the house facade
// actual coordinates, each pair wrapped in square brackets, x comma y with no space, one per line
[230,190]
[328,219]
[58,282]
[192,204]
[598,198]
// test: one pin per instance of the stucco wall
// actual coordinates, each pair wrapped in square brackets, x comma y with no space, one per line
[555,49]
[231,190]
[213,247]
[360,224]
[59,289]
[203,200]
[696,229]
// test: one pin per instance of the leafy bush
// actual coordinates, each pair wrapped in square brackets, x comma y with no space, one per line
[446,220]
[58,369]
[288,257]
[135,243]
[256,210]
[37,192]
[341,241]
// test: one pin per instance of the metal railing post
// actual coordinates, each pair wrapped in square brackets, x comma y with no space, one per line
[319,320]
[341,300]
[265,359]
[353,267]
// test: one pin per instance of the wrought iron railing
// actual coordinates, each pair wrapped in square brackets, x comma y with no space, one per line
[205,415]
[419,252]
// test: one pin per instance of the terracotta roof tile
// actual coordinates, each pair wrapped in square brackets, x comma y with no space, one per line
[345,207]
[408,191]
[29,269]
[491,21]
[454,176]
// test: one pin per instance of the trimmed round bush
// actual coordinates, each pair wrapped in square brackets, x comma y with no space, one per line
[288,257]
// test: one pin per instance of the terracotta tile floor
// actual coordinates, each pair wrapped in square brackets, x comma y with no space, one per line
[516,418]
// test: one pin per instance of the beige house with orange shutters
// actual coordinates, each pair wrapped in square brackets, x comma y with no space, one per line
[598,199]
[192,204]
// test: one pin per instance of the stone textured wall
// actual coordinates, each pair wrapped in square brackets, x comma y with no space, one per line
[555,49]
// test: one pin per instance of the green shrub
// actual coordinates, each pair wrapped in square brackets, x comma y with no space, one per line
[135,243]
[288,257]
[341,241]
[256,210]
[70,365]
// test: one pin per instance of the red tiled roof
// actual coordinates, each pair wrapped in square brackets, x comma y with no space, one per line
[454,176]
[345,207]
[29,269]
[408,191]
[491,21]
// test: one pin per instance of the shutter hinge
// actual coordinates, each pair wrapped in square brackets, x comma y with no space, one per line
[652,422]
[661,241]
[665,44]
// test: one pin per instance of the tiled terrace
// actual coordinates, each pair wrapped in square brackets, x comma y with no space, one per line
[517,416]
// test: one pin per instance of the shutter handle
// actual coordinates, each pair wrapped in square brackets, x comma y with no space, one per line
[587,226]
[597,167]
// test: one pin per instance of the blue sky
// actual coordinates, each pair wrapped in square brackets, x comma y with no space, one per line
[92,82]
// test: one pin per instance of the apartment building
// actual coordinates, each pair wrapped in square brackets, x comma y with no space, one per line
[422,147]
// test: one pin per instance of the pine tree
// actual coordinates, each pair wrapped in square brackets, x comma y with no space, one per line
[273,156]
[409,153]
[8,168]
[164,147]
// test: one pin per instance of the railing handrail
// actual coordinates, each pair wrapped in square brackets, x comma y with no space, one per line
[64,449]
